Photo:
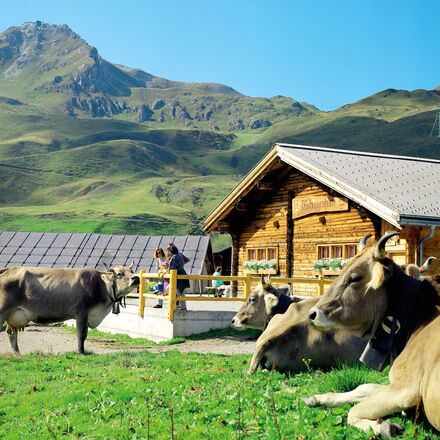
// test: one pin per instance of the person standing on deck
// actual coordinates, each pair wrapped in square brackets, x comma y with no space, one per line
[177,260]
[160,260]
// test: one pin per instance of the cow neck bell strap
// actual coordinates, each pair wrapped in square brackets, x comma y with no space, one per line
[117,302]
[391,336]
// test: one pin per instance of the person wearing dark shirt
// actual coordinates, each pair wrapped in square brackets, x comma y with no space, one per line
[176,261]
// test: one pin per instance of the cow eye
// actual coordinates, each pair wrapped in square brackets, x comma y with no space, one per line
[119,275]
[354,278]
[251,300]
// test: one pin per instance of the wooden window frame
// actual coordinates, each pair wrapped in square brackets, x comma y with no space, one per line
[331,245]
[256,249]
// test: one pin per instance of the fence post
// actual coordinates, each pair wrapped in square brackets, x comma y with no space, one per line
[321,283]
[141,293]
[172,290]
[247,286]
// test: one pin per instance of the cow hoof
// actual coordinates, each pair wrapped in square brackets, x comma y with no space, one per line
[311,401]
[388,429]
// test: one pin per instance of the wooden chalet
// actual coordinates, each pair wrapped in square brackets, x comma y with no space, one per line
[301,204]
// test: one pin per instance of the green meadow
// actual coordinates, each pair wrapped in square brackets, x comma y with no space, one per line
[135,395]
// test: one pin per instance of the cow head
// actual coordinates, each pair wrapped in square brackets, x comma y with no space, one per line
[120,280]
[257,310]
[357,300]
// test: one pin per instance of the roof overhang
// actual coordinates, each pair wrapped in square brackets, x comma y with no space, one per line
[211,223]
[343,188]
[279,152]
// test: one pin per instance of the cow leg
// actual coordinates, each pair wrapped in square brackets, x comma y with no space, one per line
[390,399]
[331,400]
[255,361]
[13,339]
[81,331]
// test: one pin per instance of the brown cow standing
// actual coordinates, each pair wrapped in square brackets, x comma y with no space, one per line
[45,296]
[373,298]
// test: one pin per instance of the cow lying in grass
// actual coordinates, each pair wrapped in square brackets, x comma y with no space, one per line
[373,298]
[289,341]
[291,344]
[263,303]
[45,296]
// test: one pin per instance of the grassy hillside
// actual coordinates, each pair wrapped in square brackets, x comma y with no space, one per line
[86,145]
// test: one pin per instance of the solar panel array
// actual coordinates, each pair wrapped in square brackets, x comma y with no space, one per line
[51,249]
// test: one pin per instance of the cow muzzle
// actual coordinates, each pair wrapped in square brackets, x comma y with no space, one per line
[319,319]
[134,281]
[236,322]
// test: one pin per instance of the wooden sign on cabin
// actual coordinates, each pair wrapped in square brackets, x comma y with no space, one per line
[316,204]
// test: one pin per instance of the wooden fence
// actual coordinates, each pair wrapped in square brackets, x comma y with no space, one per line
[247,279]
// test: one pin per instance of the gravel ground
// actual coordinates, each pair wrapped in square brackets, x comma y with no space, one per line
[55,340]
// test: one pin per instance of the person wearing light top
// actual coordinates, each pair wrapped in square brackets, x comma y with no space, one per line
[161,265]
[217,273]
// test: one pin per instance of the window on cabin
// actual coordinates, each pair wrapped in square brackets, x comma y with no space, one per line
[336,251]
[251,254]
[271,253]
[264,254]
[351,250]
[323,252]
[261,254]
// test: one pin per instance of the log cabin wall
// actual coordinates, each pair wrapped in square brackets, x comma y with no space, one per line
[269,227]
[431,248]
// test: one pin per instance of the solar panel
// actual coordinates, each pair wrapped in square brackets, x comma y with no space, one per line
[47,239]
[61,240]
[32,239]
[39,251]
[68,252]
[24,251]
[47,261]
[10,250]
[75,240]
[6,237]
[141,242]
[53,251]
[153,243]
[115,241]
[128,241]
[33,259]
[102,242]
[18,259]
[63,260]
[179,242]
[80,250]
[91,241]
[18,239]
[192,243]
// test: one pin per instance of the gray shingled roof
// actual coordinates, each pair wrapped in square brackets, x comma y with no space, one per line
[51,249]
[402,190]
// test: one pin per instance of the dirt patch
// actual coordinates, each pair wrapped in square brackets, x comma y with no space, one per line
[54,340]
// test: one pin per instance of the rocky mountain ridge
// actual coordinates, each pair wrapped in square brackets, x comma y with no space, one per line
[52,66]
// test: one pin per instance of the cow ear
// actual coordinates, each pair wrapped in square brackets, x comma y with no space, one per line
[108,277]
[413,271]
[270,301]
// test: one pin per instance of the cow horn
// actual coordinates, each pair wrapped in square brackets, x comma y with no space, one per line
[379,251]
[427,264]
[131,265]
[363,242]
[106,266]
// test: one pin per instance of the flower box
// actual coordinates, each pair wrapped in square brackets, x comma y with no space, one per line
[263,267]
[327,265]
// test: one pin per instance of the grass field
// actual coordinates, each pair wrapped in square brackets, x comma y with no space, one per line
[171,395]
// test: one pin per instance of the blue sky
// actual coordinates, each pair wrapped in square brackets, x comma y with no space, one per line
[328,52]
